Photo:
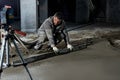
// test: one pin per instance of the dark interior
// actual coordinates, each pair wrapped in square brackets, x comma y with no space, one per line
[67,7]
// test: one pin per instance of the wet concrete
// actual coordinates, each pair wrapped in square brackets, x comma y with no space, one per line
[98,62]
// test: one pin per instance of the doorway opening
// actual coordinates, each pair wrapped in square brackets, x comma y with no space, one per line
[67,7]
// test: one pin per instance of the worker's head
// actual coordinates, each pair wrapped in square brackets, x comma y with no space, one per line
[57,18]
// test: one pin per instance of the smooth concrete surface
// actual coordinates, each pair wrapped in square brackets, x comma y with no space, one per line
[97,62]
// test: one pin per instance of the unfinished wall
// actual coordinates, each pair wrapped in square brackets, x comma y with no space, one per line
[82,11]
[43,6]
[28,15]
[113,11]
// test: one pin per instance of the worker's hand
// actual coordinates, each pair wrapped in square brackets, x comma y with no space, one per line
[69,46]
[55,49]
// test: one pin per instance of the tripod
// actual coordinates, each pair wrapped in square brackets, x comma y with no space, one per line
[5,50]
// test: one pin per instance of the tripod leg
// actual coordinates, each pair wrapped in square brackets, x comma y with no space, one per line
[7,53]
[24,64]
[18,39]
[2,54]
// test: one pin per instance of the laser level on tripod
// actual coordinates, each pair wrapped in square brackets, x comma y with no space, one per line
[9,37]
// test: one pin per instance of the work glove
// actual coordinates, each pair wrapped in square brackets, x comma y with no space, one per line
[70,47]
[55,49]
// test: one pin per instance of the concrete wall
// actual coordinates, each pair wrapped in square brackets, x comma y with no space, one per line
[43,6]
[82,11]
[113,11]
[28,15]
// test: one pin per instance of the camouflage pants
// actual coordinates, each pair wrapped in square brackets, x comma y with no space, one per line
[58,37]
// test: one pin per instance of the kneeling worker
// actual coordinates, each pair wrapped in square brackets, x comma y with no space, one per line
[53,28]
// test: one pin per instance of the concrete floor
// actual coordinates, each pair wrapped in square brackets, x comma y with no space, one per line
[97,62]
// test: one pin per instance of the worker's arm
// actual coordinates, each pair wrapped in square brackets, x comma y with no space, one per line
[66,36]
[49,33]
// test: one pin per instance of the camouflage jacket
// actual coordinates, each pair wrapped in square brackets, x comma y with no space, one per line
[50,30]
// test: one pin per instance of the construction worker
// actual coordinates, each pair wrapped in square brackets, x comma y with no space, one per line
[6,15]
[53,28]
[6,18]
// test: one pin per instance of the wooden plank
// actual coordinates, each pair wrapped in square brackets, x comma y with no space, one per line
[49,55]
